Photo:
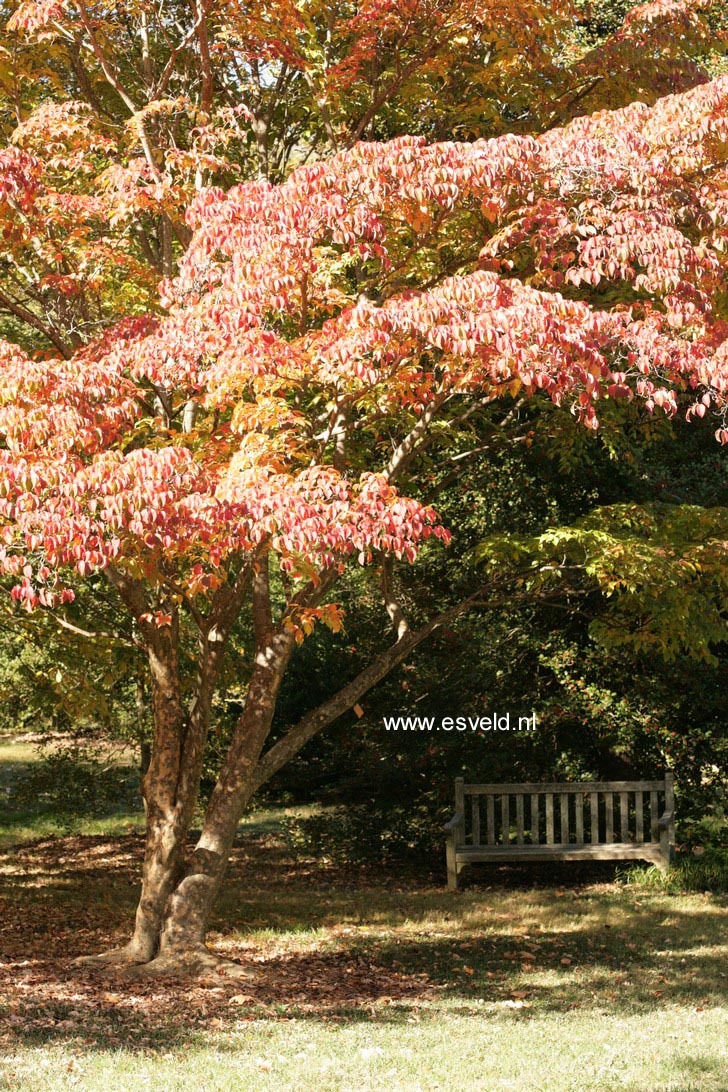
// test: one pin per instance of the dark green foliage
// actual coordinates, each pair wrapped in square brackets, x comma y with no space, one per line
[706,872]
[604,708]
[372,833]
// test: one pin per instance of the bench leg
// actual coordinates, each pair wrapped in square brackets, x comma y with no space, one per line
[452,868]
[667,848]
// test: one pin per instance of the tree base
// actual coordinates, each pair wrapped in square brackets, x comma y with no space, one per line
[188,963]
[128,956]
[184,963]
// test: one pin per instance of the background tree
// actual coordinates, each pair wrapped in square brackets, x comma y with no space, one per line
[602,711]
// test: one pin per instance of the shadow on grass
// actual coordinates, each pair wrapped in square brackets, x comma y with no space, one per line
[326,945]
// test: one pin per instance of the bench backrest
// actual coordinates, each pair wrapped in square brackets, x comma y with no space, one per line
[581,813]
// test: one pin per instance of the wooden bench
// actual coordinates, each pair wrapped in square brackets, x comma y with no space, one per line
[578,821]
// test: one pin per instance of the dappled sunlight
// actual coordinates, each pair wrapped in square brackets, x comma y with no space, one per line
[350,946]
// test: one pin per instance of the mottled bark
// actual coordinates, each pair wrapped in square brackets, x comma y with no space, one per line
[170,784]
[190,905]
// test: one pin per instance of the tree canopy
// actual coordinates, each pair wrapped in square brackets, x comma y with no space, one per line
[223,449]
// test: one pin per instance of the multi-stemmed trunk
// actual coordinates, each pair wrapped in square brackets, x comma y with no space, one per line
[179,887]
[180,884]
[190,902]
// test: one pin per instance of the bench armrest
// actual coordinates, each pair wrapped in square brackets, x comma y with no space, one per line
[457,819]
[664,821]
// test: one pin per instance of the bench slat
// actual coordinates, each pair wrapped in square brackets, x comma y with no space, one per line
[549,818]
[490,819]
[571,786]
[594,814]
[564,813]
[639,819]
[616,851]
[519,818]
[475,808]
[505,819]
[623,817]
[535,833]
[579,809]
[609,817]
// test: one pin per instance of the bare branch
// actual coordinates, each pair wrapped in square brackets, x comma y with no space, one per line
[413,439]
[25,315]
[133,596]
[391,88]
[206,91]
[394,610]
[109,70]
[96,634]
[262,611]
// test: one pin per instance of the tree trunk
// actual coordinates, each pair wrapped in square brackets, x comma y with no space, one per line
[168,815]
[163,863]
[179,891]
[188,911]
[169,786]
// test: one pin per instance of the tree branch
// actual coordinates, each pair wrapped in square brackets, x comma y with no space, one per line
[96,635]
[409,444]
[132,594]
[326,713]
[394,610]
[262,611]
[25,315]
[206,90]
[391,88]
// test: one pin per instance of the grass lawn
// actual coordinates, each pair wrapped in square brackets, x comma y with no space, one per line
[360,980]
[23,824]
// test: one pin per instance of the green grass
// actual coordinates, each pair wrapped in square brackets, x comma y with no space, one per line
[24,824]
[487,1051]
[562,980]
[625,991]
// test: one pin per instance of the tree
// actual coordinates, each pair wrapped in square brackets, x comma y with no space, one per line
[234,452]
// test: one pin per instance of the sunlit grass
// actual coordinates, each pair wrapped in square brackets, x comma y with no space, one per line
[424,1052]
[18,751]
[27,824]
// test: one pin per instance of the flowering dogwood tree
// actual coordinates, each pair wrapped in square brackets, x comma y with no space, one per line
[233,450]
